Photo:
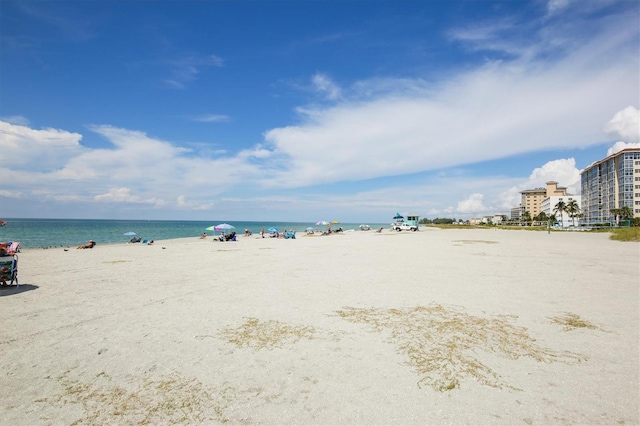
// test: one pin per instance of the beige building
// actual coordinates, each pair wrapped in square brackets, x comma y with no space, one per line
[532,198]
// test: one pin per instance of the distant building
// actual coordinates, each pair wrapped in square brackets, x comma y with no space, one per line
[498,219]
[532,198]
[516,213]
[563,218]
[611,183]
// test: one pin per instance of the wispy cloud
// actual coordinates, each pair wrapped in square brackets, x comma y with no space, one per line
[323,84]
[211,118]
[186,68]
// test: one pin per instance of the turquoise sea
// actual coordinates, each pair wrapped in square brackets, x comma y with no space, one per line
[45,233]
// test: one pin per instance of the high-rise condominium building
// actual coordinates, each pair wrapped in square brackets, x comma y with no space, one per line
[611,183]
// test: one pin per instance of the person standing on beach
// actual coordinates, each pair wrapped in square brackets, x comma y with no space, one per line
[262,232]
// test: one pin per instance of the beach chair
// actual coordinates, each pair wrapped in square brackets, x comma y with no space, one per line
[9,270]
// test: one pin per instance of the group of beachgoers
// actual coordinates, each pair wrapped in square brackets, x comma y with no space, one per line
[91,244]
[247,233]
[274,233]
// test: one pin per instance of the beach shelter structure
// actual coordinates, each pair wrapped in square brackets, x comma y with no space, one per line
[413,219]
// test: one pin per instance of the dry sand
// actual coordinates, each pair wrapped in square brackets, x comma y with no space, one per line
[434,327]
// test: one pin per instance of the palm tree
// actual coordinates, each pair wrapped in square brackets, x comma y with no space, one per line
[541,217]
[573,209]
[561,207]
[526,217]
[624,212]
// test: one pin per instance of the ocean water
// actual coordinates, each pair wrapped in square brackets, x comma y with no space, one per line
[46,233]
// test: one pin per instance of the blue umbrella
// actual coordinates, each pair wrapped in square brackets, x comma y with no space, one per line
[129,233]
[272,229]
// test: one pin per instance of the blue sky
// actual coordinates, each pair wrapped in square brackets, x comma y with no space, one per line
[307,110]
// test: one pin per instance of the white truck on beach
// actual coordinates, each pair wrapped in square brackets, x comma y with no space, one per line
[403,227]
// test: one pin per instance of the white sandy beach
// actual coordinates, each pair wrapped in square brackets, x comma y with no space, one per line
[434,327]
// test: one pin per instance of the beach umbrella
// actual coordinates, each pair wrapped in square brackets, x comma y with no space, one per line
[334,222]
[322,222]
[224,227]
[272,229]
[210,228]
[398,216]
[130,233]
[310,228]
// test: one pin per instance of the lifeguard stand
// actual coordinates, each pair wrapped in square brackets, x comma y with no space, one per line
[413,219]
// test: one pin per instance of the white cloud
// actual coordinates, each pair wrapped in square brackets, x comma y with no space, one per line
[44,149]
[18,120]
[187,68]
[554,6]
[625,125]
[322,83]
[10,194]
[619,146]
[126,195]
[184,204]
[212,118]
[472,205]
[563,171]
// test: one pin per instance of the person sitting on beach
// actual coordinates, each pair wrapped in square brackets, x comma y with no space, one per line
[247,232]
[89,245]
[379,230]
[150,243]
[203,236]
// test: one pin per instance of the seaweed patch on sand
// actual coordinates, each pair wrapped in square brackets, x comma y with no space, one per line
[170,399]
[266,335]
[441,343]
[571,321]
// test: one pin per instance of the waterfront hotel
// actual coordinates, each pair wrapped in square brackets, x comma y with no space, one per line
[611,183]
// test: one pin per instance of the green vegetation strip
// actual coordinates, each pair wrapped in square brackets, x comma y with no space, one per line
[626,234]
[441,344]
[167,400]
[266,335]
